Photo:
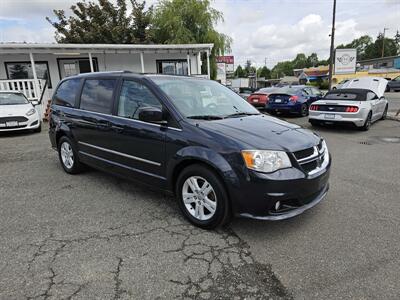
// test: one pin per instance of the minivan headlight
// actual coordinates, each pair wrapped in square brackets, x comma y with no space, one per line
[30,112]
[266,160]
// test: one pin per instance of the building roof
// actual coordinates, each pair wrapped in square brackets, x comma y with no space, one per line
[378,59]
[102,48]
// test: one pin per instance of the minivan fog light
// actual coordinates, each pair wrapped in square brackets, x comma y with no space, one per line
[265,160]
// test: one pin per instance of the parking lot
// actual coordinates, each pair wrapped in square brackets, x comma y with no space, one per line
[93,236]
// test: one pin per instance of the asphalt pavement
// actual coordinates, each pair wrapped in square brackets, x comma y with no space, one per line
[94,236]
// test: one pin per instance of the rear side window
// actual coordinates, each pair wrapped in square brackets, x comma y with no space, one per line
[66,93]
[97,95]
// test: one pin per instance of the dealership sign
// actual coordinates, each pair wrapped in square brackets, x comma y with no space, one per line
[345,61]
[228,60]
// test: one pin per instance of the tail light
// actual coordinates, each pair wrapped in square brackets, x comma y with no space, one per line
[314,107]
[293,99]
[352,109]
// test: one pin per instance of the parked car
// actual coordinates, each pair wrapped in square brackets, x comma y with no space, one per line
[393,85]
[361,103]
[245,92]
[340,84]
[260,98]
[292,99]
[17,113]
[192,137]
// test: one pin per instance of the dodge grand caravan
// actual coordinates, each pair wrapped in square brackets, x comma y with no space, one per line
[192,137]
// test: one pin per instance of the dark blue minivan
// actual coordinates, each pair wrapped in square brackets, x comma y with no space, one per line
[192,137]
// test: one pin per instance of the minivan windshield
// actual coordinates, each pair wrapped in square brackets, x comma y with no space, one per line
[12,99]
[203,99]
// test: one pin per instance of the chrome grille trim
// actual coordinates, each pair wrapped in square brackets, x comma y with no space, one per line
[320,156]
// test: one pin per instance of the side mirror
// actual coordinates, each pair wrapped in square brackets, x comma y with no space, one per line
[35,102]
[152,115]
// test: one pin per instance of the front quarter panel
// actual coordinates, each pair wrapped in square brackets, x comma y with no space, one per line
[201,154]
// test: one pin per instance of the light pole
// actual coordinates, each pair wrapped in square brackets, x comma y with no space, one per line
[383,41]
[332,55]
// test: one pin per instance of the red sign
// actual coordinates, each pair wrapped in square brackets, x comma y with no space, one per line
[225,59]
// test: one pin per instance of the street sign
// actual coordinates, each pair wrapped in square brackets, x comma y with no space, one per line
[345,61]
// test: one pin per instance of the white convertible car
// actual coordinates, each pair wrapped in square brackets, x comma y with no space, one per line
[17,113]
[359,102]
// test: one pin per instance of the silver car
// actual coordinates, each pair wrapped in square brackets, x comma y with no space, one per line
[359,102]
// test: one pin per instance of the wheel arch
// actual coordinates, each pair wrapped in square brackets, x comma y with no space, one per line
[203,156]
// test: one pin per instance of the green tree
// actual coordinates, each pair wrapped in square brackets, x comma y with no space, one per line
[281,69]
[397,41]
[313,61]
[300,61]
[374,50]
[103,22]
[264,72]
[189,21]
[239,72]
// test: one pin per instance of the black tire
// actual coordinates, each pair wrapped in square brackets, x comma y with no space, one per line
[367,123]
[385,113]
[39,129]
[222,212]
[76,167]
[304,110]
[314,123]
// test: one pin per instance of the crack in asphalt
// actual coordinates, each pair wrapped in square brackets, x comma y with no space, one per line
[156,255]
[231,271]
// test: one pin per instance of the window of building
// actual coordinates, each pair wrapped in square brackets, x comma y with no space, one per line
[74,66]
[172,67]
[23,70]
[66,93]
[97,95]
[133,96]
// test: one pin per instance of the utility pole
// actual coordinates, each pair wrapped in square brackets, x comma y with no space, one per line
[332,54]
[383,41]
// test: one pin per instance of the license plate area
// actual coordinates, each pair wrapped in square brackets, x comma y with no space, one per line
[278,100]
[330,116]
[12,124]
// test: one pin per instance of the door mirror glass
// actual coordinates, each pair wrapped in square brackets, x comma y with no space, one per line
[151,115]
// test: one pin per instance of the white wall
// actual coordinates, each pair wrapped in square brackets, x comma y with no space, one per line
[106,62]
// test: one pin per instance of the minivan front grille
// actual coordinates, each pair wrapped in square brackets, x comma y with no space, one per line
[311,159]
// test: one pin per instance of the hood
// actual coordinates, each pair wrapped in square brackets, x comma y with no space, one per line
[375,84]
[14,110]
[262,132]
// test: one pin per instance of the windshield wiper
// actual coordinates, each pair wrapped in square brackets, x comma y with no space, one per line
[206,117]
[241,113]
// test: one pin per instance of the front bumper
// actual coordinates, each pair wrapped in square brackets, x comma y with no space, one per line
[32,123]
[295,191]
[290,213]
[357,119]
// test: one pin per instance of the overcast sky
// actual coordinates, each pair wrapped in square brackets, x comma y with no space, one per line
[274,30]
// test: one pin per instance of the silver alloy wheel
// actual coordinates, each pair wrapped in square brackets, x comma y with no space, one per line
[67,155]
[199,198]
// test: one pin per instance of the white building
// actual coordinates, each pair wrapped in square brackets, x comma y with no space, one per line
[36,69]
